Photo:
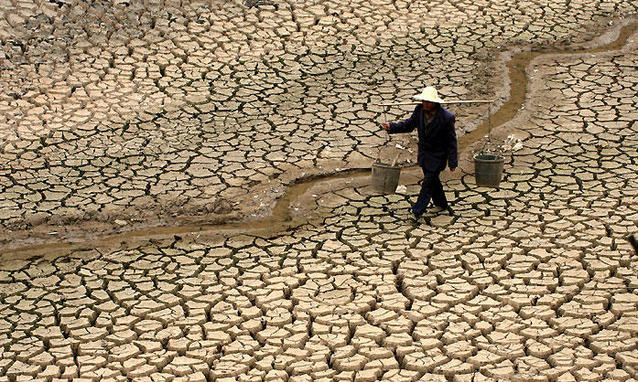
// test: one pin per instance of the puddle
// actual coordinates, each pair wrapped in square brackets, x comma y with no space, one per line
[281,220]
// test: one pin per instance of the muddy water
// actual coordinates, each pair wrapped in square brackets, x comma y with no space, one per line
[518,82]
[281,220]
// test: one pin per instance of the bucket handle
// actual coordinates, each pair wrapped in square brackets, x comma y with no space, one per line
[394,162]
[385,119]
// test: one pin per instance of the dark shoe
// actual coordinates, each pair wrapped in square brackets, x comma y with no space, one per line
[438,209]
[416,214]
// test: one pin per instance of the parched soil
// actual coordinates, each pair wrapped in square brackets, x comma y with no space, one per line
[184,192]
[170,114]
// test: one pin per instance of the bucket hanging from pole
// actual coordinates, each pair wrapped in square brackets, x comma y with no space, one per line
[385,177]
[488,169]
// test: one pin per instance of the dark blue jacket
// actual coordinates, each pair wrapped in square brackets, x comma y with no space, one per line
[437,143]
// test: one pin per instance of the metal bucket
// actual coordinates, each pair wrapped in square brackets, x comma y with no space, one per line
[385,177]
[488,169]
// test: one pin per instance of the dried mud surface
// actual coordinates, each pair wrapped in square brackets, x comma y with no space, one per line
[172,116]
[124,116]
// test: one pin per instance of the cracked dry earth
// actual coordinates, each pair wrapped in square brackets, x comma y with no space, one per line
[148,112]
[168,105]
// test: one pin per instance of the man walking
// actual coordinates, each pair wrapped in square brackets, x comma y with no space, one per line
[437,147]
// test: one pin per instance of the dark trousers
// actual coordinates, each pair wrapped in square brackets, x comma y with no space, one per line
[431,188]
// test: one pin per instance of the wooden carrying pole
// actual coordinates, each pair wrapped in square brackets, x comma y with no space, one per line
[446,102]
